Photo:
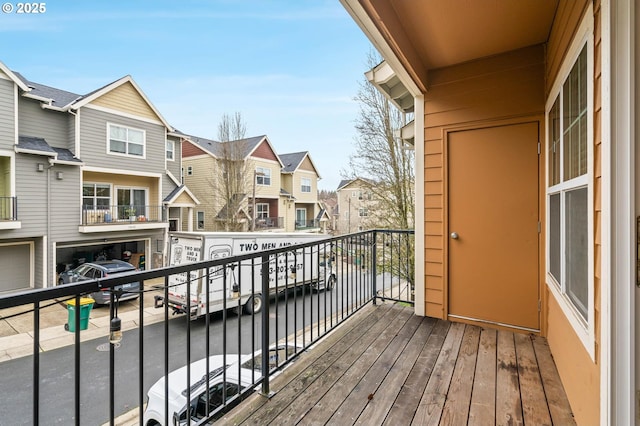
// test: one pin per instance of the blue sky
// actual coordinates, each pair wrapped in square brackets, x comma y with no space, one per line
[290,67]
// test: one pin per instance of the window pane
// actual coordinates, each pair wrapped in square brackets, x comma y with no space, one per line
[554,237]
[119,133]
[117,146]
[135,149]
[88,190]
[574,100]
[554,144]
[576,242]
[136,136]
[102,191]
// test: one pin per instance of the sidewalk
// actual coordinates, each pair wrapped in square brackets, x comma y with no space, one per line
[16,332]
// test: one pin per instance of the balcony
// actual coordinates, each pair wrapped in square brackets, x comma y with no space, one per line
[266,223]
[382,362]
[9,213]
[307,224]
[123,217]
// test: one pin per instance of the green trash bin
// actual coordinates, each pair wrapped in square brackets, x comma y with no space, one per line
[86,303]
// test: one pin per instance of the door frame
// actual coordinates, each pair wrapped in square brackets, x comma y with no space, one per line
[487,124]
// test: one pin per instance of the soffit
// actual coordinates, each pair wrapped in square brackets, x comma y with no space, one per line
[433,34]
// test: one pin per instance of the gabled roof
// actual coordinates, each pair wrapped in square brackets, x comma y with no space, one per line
[64,100]
[217,149]
[293,161]
[89,97]
[17,79]
[173,196]
[55,97]
[346,182]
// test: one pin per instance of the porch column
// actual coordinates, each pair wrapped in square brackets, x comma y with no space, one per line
[190,219]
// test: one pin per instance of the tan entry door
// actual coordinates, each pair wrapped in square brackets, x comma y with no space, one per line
[493,225]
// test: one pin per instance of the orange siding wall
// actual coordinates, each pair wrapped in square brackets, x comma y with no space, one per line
[579,373]
[503,87]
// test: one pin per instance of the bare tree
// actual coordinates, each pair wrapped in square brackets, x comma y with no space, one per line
[386,165]
[382,159]
[231,128]
[232,178]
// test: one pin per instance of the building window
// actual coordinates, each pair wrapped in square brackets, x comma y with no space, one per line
[189,171]
[305,185]
[96,196]
[126,141]
[200,220]
[363,212]
[568,188]
[263,176]
[170,150]
[262,211]
[360,195]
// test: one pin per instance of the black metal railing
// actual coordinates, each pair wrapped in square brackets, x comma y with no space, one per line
[105,215]
[306,224]
[8,208]
[291,296]
[269,223]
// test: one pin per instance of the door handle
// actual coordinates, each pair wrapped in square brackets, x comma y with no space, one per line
[454,235]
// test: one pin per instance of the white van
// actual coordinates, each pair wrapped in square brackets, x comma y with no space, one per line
[229,385]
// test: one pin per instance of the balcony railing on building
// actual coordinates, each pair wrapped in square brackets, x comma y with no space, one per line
[8,208]
[312,288]
[269,223]
[307,224]
[105,215]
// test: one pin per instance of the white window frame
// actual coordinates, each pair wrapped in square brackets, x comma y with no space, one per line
[131,188]
[126,141]
[170,150]
[263,176]
[305,188]
[363,212]
[95,197]
[584,328]
[262,210]
[305,215]
[189,171]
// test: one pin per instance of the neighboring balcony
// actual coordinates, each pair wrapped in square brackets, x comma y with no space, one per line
[9,213]
[269,223]
[123,217]
[307,224]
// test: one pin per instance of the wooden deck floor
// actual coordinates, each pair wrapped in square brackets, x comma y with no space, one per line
[387,366]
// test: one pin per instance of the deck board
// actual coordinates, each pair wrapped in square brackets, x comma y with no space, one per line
[483,400]
[387,366]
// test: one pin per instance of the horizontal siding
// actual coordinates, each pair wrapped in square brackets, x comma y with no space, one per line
[65,203]
[174,166]
[126,99]
[565,25]
[7,114]
[497,88]
[93,139]
[31,190]
[50,125]
[201,185]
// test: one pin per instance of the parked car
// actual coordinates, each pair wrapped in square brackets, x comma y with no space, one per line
[103,269]
[220,385]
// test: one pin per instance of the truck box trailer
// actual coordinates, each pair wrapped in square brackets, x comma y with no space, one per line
[240,283]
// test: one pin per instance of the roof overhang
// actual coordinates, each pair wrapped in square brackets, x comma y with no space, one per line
[415,37]
[386,80]
[407,133]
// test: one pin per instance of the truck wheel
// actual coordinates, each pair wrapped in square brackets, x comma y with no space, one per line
[331,282]
[253,305]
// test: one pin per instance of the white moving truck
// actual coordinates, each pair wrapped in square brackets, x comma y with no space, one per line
[241,283]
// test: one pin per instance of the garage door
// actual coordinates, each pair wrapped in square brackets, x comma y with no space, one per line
[15,264]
